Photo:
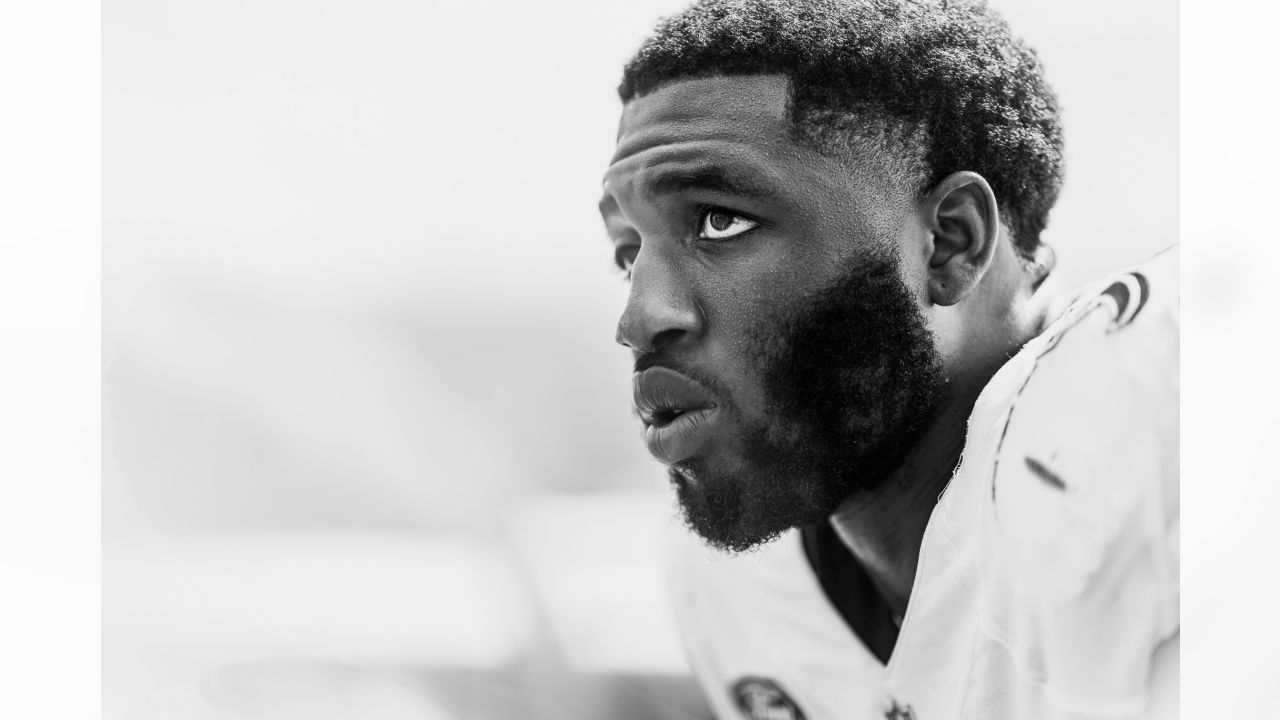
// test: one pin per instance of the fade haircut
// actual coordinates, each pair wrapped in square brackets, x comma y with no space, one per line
[931,86]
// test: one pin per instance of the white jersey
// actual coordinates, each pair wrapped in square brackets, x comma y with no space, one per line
[1048,573]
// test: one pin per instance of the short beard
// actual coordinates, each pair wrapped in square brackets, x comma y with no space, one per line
[851,381]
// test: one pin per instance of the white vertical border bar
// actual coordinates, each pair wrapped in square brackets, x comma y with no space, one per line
[1231,348]
[50,380]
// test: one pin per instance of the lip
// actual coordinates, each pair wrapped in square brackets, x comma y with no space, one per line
[681,438]
[660,393]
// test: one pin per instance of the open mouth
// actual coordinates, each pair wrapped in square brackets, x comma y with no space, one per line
[663,418]
[677,413]
[662,395]
[678,436]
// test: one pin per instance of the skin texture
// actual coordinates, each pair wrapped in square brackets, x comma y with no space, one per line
[814,220]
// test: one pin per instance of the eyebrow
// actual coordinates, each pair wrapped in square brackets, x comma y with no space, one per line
[707,179]
[711,179]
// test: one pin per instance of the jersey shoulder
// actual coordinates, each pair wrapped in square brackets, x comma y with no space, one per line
[1098,390]
[1080,528]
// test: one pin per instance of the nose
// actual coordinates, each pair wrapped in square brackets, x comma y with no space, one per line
[660,309]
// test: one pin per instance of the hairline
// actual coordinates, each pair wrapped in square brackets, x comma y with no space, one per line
[855,148]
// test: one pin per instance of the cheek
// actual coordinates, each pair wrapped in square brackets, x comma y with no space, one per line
[745,339]
[743,310]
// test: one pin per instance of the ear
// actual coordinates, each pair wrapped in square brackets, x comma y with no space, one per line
[963,217]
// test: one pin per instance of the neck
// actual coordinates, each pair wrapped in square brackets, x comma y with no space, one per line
[884,529]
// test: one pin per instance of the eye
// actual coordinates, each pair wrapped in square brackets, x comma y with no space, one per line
[720,224]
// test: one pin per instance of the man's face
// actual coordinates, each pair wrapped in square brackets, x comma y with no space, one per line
[783,363]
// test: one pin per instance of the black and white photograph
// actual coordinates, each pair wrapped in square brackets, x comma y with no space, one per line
[750,359]
[650,360]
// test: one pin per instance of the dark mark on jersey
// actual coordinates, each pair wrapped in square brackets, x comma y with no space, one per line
[1045,474]
[898,712]
[763,699]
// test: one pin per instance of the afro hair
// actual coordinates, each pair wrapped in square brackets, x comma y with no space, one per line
[941,82]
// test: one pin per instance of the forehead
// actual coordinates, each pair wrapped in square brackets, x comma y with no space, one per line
[732,134]
[749,109]
[727,122]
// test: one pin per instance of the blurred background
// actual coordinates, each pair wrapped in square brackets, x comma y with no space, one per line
[367,440]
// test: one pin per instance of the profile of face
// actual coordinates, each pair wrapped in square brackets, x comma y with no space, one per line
[783,361]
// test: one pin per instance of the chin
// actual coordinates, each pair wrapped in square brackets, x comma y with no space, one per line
[740,511]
